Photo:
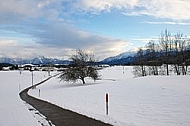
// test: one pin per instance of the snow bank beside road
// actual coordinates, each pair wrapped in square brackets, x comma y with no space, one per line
[13,111]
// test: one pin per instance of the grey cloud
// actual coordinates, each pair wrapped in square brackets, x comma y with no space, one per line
[14,11]
[62,35]
[55,38]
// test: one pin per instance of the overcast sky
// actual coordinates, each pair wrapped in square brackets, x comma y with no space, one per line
[56,28]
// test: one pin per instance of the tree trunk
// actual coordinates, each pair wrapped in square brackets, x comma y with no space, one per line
[183,70]
[83,81]
[176,69]
[167,68]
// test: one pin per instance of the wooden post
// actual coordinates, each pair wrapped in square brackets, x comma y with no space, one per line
[106,103]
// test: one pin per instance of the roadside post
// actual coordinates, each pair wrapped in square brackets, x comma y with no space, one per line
[32,78]
[106,103]
[39,92]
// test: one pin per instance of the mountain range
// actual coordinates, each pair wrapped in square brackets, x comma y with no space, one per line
[38,60]
[123,58]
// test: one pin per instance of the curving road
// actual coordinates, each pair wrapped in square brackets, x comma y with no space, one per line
[57,115]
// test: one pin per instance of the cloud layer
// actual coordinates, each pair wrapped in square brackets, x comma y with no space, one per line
[14,10]
[49,26]
[168,9]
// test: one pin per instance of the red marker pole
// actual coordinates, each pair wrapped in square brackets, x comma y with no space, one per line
[106,103]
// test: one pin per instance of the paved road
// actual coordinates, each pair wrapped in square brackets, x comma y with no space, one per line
[57,115]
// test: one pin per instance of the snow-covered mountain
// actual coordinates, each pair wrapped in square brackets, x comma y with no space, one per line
[38,60]
[12,60]
[123,58]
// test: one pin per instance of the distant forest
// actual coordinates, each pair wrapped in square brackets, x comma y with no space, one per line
[172,52]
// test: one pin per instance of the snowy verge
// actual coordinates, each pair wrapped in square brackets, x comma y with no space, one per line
[13,111]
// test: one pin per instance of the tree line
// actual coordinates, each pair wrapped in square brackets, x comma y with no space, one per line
[171,54]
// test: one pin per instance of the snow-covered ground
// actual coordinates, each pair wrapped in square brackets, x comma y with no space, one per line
[13,111]
[145,101]
[148,101]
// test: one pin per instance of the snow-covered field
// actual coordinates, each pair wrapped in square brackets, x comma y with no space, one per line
[13,111]
[148,101]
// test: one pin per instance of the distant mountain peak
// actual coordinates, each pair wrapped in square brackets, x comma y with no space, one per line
[119,57]
[126,54]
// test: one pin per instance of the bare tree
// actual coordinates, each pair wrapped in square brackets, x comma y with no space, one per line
[139,69]
[82,66]
[171,50]
[152,58]
[165,43]
[180,48]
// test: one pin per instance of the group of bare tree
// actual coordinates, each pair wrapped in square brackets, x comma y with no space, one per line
[171,54]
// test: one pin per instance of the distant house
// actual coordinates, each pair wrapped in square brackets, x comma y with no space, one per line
[104,65]
[6,68]
[28,66]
